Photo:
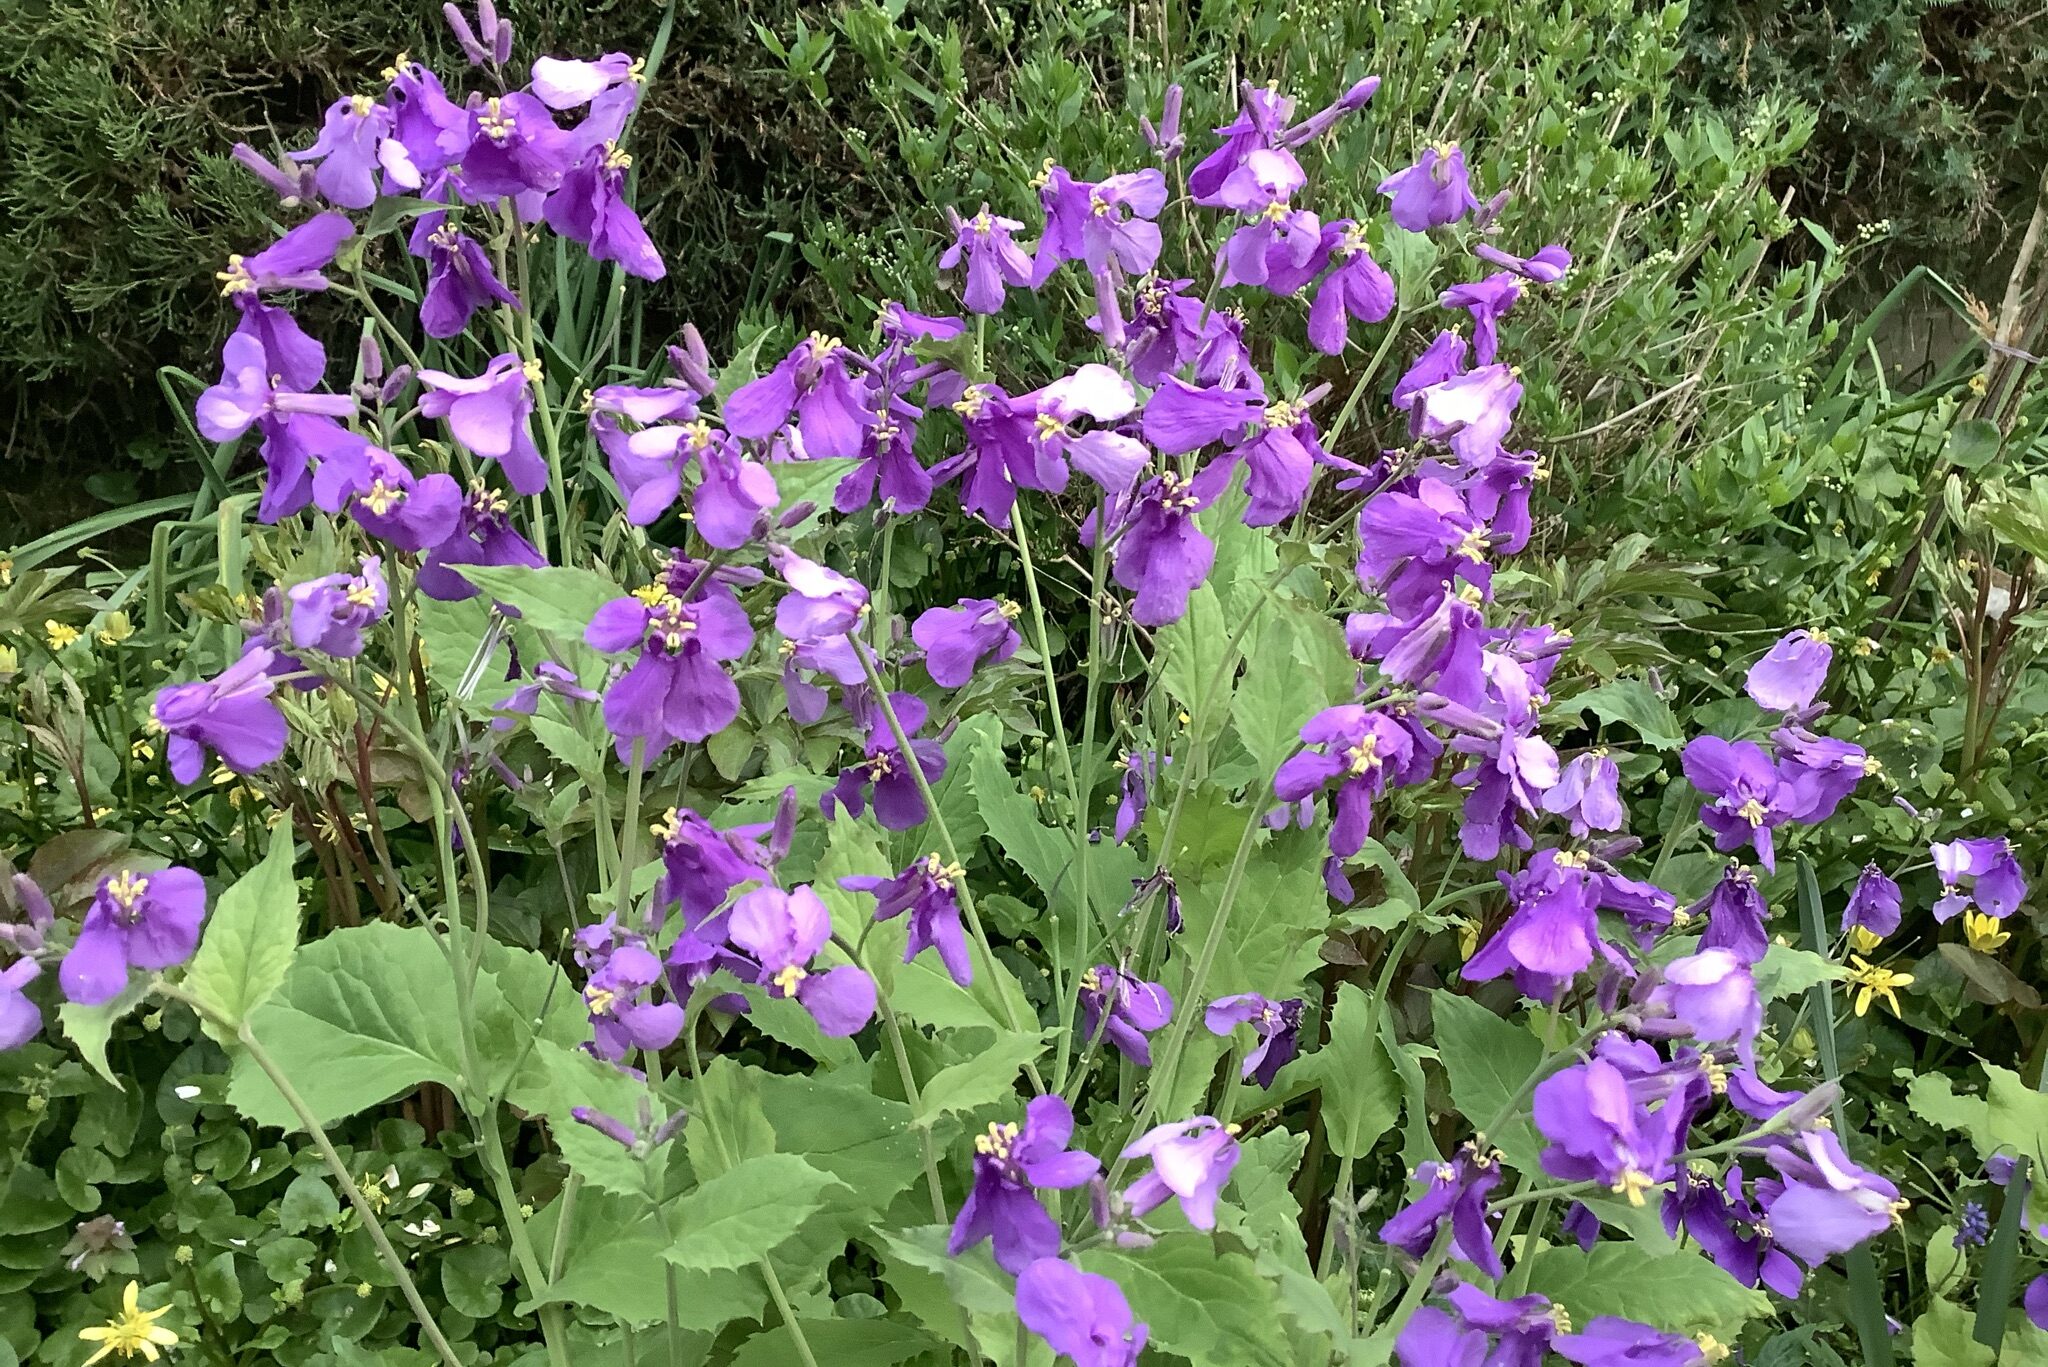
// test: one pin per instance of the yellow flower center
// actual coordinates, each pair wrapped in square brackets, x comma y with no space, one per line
[996,1142]
[1473,545]
[361,105]
[616,158]
[670,825]
[599,999]
[787,978]
[127,889]
[1752,811]
[1364,756]
[236,278]
[1049,427]
[971,401]
[495,123]
[1633,1184]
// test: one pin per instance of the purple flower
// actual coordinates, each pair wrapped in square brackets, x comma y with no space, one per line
[1790,673]
[329,613]
[490,414]
[1735,915]
[1610,1341]
[1546,267]
[547,677]
[1457,1191]
[1469,412]
[296,360]
[231,714]
[885,770]
[1097,224]
[701,865]
[1123,1009]
[20,1019]
[928,890]
[1619,1118]
[428,130]
[1732,1231]
[292,184]
[1982,871]
[1554,930]
[1191,1160]
[1415,547]
[1356,287]
[293,262]
[957,640]
[674,690]
[1080,1315]
[1137,771]
[1166,329]
[1873,908]
[993,259]
[459,276]
[1275,245]
[622,971]
[889,465]
[1824,1204]
[1748,796]
[590,207]
[137,920]
[1276,1024]
[1487,301]
[297,428]
[1160,554]
[1817,771]
[1012,1163]
[1712,994]
[1166,140]
[1439,648]
[1263,114]
[1462,1337]
[732,492]
[1363,749]
[512,148]
[2036,1302]
[562,84]
[386,500]
[1432,192]
[784,931]
[815,618]
[813,382]
[1433,1338]
[483,535]
[1588,793]
[355,128]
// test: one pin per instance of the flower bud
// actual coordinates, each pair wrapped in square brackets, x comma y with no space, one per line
[465,37]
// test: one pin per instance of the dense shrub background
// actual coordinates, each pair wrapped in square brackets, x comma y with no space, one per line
[117,197]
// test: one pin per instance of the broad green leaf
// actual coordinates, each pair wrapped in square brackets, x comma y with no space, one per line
[473,1278]
[1679,1291]
[1193,670]
[89,1028]
[369,1012]
[308,1203]
[574,1078]
[249,942]
[1489,1060]
[1973,444]
[937,1288]
[987,1078]
[1634,702]
[554,600]
[744,1213]
[1942,1337]
[1361,1095]
[1786,972]
[807,481]
[841,1127]
[727,1125]
[840,1342]
[1203,1303]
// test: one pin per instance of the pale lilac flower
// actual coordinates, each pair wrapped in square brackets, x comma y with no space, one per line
[617,993]
[1823,1204]
[813,381]
[1487,301]
[297,428]
[512,148]
[1713,995]
[386,499]
[137,920]
[929,891]
[350,136]
[1588,793]
[564,84]
[20,1019]
[1980,872]
[1191,1161]
[1747,796]
[1610,1341]
[1356,287]
[483,535]
[460,279]
[1546,267]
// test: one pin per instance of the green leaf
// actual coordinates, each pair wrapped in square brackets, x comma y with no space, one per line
[308,1203]
[987,1078]
[938,1290]
[89,1028]
[840,1126]
[1942,1338]
[729,1125]
[1974,444]
[745,1213]
[1786,972]
[575,1079]
[250,940]
[1361,1095]
[558,601]
[1207,1305]
[1191,650]
[1634,702]
[840,1342]
[1679,1291]
[473,1278]
[369,1012]
[807,481]
[1489,1059]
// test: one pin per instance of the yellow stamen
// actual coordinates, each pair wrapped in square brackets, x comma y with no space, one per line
[127,888]
[787,978]
[1633,1184]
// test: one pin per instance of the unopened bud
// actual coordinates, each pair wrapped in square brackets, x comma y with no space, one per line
[465,37]
[797,513]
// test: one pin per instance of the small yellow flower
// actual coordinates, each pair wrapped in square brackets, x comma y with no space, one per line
[1987,935]
[1873,981]
[10,662]
[1864,939]
[59,634]
[116,630]
[133,1331]
[6,572]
